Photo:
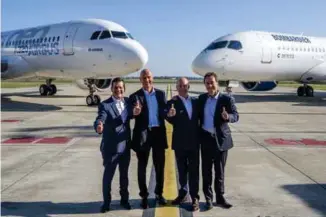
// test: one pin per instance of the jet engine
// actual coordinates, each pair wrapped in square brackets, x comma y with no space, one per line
[259,85]
[100,85]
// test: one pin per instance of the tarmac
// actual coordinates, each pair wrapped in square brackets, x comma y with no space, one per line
[51,164]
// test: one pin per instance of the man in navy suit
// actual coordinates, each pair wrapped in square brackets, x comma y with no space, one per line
[216,111]
[149,132]
[183,115]
[113,123]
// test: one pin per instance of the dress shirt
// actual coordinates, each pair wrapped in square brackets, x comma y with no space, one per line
[152,108]
[209,112]
[187,104]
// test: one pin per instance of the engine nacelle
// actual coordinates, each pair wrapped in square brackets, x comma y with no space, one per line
[99,84]
[259,85]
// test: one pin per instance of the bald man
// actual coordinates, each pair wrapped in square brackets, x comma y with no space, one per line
[183,115]
[149,132]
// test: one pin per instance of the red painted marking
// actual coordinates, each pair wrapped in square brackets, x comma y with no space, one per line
[20,140]
[313,142]
[9,121]
[279,141]
[56,140]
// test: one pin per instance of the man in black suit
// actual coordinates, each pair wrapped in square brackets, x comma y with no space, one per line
[149,132]
[183,115]
[113,123]
[216,111]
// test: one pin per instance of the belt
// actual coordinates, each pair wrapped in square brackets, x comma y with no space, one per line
[209,133]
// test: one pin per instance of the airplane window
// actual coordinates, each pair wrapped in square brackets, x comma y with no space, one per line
[129,35]
[58,38]
[53,39]
[95,35]
[236,45]
[117,34]
[105,34]
[217,45]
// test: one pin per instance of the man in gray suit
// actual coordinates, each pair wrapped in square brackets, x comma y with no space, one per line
[217,110]
[183,115]
[113,123]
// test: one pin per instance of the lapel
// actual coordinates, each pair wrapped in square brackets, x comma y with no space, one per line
[217,108]
[113,106]
[183,107]
[142,98]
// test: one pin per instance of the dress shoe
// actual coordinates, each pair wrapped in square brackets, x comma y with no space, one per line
[144,203]
[195,205]
[220,201]
[209,204]
[105,208]
[125,204]
[160,199]
[178,200]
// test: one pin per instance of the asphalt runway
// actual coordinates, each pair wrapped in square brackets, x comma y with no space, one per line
[51,164]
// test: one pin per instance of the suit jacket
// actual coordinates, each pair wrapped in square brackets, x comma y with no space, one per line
[112,136]
[140,132]
[222,130]
[185,131]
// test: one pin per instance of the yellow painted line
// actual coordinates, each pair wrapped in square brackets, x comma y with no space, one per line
[170,190]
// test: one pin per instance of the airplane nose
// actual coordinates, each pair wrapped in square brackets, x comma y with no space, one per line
[198,65]
[139,57]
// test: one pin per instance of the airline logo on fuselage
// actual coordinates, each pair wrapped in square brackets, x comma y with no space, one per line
[291,38]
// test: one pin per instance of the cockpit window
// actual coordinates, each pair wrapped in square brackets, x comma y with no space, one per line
[95,35]
[129,35]
[117,34]
[217,45]
[105,34]
[236,45]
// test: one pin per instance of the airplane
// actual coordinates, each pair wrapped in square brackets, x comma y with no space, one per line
[89,51]
[258,60]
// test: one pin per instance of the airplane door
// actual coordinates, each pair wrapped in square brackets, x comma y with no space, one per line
[266,55]
[68,41]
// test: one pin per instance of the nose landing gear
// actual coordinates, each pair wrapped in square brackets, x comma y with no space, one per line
[305,90]
[48,88]
[92,99]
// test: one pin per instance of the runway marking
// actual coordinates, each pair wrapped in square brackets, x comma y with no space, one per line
[10,121]
[38,140]
[170,179]
[309,142]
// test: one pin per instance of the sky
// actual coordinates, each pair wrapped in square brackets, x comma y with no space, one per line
[174,32]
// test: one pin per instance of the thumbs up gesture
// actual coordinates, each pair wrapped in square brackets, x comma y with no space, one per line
[225,115]
[137,109]
[99,128]
[172,111]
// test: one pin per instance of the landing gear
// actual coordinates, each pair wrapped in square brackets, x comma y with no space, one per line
[48,88]
[92,99]
[305,90]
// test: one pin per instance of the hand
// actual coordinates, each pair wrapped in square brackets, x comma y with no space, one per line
[137,109]
[99,128]
[172,111]
[225,115]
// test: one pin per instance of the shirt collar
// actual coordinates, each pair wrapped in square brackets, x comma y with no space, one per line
[117,100]
[215,97]
[185,99]
[149,93]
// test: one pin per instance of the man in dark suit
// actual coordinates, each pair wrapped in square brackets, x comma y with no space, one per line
[216,111]
[183,115]
[149,132]
[113,123]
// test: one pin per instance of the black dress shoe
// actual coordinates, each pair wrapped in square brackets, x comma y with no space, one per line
[178,200]
[160,199]
[220,201]
[209,204]
[125,204]
[105,208]
[144,203]
[195,205]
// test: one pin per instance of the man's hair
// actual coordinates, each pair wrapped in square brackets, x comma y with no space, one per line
[208,74]
[116,80]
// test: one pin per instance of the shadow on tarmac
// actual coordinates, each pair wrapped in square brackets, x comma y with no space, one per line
[313,195]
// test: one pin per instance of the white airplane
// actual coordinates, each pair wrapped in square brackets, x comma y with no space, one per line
[258,60]
[90,51]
